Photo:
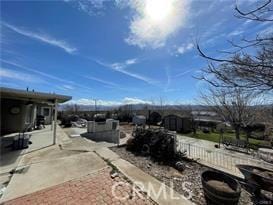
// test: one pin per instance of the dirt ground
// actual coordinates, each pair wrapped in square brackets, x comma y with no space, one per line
[168,175]
[127,128]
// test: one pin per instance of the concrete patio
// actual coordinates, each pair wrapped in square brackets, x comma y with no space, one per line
[40,139]
[43,164]
[44,167]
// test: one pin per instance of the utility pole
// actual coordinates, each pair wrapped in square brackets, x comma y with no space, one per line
[95,100]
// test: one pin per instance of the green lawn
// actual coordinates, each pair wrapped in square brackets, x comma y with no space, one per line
[214,137]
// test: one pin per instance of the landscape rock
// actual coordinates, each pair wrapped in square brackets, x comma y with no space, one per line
[114,175]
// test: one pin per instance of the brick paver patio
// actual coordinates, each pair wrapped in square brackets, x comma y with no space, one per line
[92,189]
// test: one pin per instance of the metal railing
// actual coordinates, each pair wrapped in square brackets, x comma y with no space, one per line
[221,159]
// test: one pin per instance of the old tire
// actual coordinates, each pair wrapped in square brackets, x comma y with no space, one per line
[145,150]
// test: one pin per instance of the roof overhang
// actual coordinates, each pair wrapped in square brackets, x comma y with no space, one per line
[10,93]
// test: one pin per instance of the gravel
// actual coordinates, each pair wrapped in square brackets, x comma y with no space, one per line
[169,175]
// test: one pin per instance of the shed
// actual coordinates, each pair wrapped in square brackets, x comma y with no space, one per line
[19,109]
[177,123]
[139,120]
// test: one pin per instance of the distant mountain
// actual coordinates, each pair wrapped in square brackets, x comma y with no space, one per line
[132,107]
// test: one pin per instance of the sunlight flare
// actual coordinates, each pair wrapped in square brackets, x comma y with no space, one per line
[158,10]
[155,21]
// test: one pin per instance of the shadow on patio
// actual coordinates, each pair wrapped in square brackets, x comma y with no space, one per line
[10,158]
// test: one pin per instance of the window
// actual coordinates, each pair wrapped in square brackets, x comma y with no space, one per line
[46,111]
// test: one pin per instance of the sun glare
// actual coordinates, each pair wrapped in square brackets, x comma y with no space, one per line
[158,10]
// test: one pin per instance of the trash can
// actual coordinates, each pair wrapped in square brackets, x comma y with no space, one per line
[20,141]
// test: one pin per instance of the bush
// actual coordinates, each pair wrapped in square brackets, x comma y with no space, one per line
[205,130]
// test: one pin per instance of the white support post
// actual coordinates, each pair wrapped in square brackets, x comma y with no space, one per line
[52,117]
[55,121]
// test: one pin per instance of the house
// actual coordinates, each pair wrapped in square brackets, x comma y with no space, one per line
[207,119]
[20,108]
[207,122]
[154,118]
[177,123]
[139,120]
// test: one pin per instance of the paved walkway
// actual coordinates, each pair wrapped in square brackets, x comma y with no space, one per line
[153,187]
[97,188]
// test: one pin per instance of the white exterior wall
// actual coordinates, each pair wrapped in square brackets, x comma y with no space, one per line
[104,131]
[109,125]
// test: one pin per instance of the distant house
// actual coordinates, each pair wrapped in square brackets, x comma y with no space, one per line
[207,122]
[20,108]
[139,120]
[207,119]
[154,118]
[177,123]
[204,113]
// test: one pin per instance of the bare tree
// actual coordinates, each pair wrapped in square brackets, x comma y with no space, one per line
[241,68]
[232,105]
[257,14]
[162,105]
[70,108]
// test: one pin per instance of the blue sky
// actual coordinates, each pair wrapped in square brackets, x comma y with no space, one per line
[122,51]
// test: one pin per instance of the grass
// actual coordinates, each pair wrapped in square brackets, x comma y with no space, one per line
[214,137]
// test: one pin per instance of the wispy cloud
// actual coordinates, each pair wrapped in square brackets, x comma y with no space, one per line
[134,100]
[48,76]
[105,82]
[35,71]
[69,87]
[65,87]
[124,101]
[125,64]
[183,49]
[247,22]
[90,7]
[121,66]
[266,31]
[168,82]
[183,73]
[173,78]
[150,26]
[236,32]
[86,101]
[17,75]
[112,85]
[213,33]
[43,37]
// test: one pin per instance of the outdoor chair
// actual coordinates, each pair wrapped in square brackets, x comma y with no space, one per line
[236,144]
